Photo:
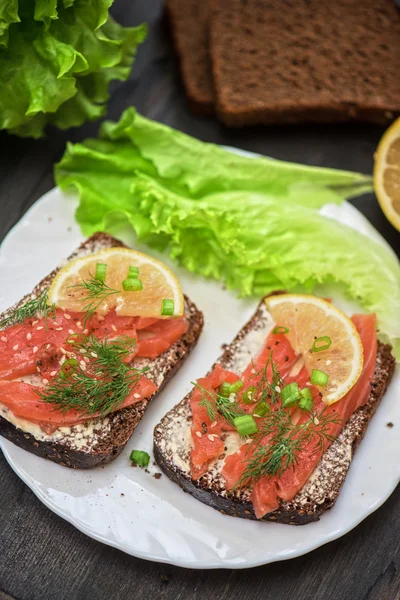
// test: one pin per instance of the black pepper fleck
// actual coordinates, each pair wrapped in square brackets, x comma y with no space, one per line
[390,425]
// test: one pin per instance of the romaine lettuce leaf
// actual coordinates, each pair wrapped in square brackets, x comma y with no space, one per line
[253,224]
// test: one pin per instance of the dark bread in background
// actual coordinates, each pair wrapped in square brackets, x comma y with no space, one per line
[317,495]
[289,61]
[113,431]
[189,25]
[305,60]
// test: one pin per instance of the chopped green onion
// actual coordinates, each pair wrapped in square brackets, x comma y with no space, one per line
[280,329]
[245,425]
[101,271]
[319,377]
[248,395]
[236,387]
[68,367]
[133,273]
[307,400]
[225,389]
[290,395]
[321,343]
[261,409]
[140,458]
[168,308]
[132,285]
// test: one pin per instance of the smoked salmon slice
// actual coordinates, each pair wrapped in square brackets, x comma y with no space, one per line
[293,479]
[34,345]
[25,403]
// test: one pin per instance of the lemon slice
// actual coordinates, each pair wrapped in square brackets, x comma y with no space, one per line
[158,283]
[308,318]
[387,174]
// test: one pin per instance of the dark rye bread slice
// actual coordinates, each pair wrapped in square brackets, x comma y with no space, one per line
[305,60]
[100,441]
[189,24]
[172,448]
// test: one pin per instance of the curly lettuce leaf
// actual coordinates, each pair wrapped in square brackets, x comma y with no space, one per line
[59,62]
[253,224]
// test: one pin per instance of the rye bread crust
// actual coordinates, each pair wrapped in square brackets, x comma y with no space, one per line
[319,493]
[119,426]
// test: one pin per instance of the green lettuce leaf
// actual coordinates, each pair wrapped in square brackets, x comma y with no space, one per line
[253,224]
[59,61]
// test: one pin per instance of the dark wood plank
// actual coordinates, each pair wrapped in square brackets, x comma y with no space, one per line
[43,557]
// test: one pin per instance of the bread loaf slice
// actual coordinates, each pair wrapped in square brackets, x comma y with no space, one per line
[172,442]
[305,60]
[189,25]
[100,440]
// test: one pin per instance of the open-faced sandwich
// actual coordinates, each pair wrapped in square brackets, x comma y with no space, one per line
[83,354]
[269,433]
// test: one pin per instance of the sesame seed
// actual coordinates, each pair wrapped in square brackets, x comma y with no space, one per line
[248,441]
[136,395]
[328,362]
[79,325]
[86,331]
[29,336]
[113,328]
[67,316]
[59,328]
[83,365]
[82,350]
[232,398]
[62,360]
[35,323]
[210,437]
[63,351]
[93,354]
[16,347]
[53,373]
[198,433]
[35,349]
[39,328]
[3,338]
[316,421]
[86,359]
[213,424]
[70,331]
[253,371]
[277,388]
[45,381]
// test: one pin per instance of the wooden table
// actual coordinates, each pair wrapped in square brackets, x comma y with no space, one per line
[43,557]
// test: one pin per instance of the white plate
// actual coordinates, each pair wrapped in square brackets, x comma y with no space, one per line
[154,519]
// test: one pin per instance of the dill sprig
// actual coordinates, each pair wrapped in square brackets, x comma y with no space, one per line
[105,383]
[36,307]
[95,291]
[279,442]
[219,405]
[267,391]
